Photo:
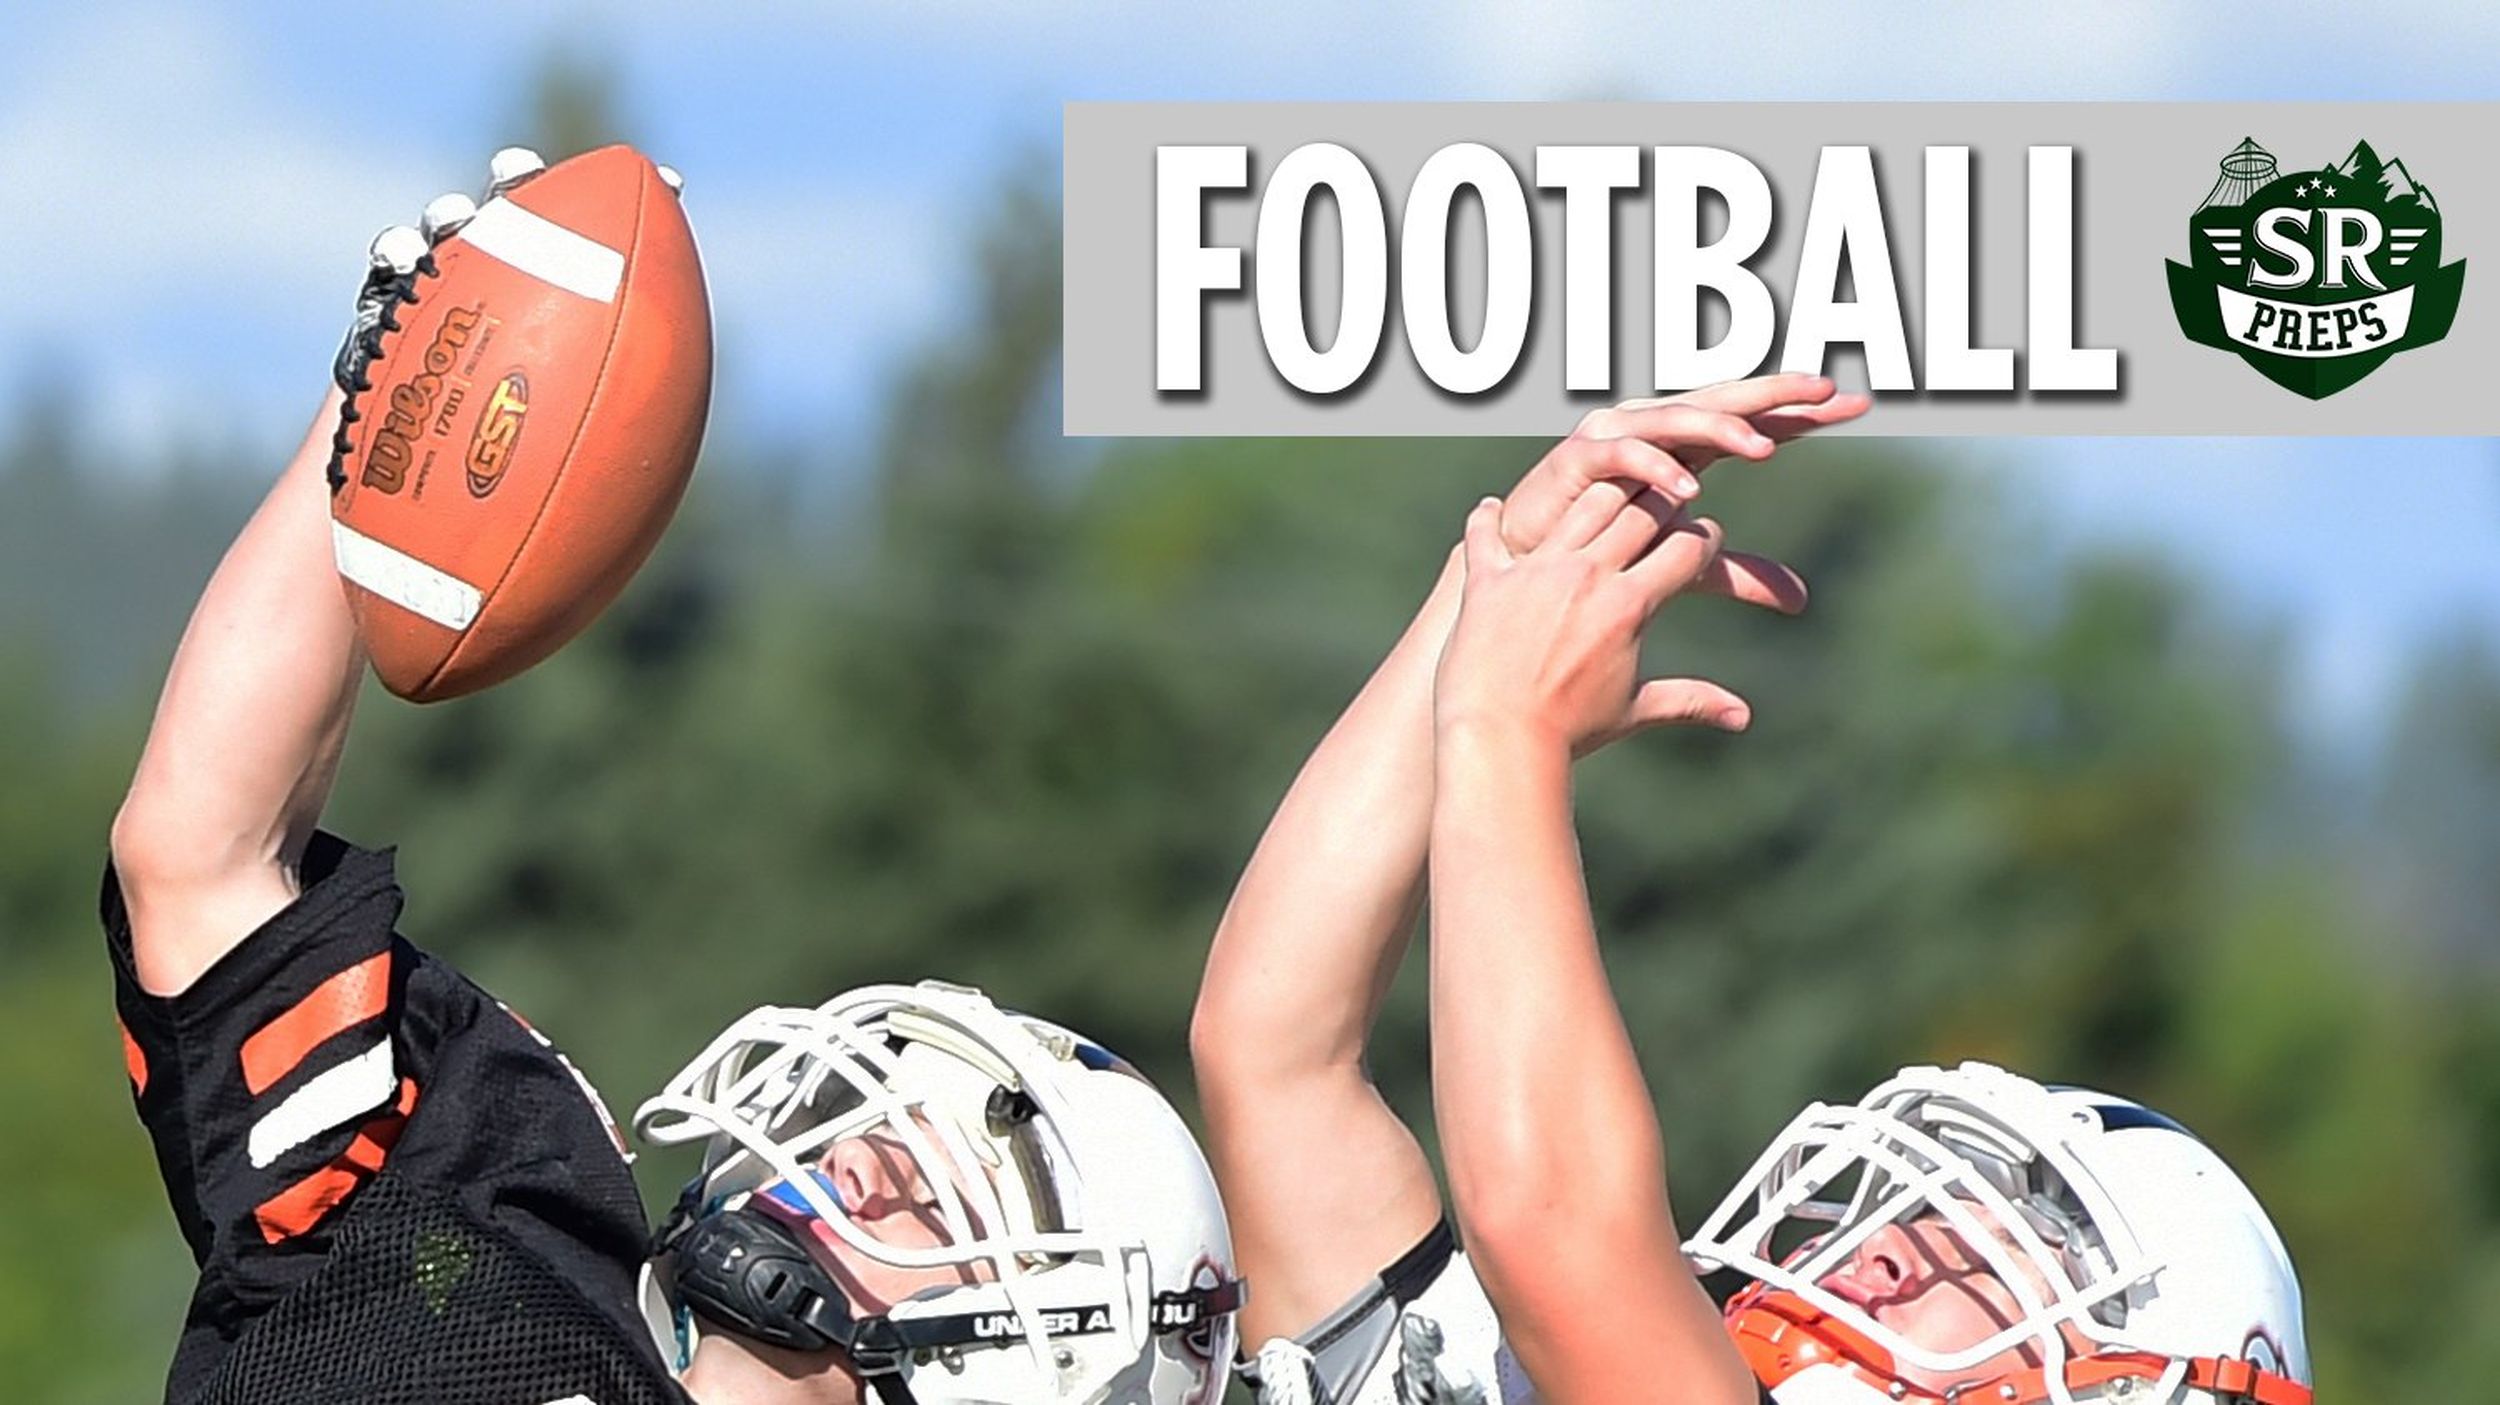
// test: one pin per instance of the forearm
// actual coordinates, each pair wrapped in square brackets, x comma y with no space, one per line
[1533,1072]
[247,734]
[1320,919]
[1324,1185]
[1556,1163]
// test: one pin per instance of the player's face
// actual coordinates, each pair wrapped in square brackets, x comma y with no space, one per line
[892,1201]
[1924,1281]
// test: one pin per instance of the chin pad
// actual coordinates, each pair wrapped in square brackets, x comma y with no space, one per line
[752,1276]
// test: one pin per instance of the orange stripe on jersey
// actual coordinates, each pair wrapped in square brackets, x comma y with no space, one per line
[306,1203]
[133,1060]
[352,996]
[302,1205]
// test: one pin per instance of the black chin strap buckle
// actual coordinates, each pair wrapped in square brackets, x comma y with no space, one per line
[754,1277]
[875,1348]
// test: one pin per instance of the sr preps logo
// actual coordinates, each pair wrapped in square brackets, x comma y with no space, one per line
[2315,278]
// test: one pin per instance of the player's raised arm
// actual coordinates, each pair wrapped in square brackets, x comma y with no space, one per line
[1324,1186]
[254,713]
[319,1091]
[573,300]
[1556,1164]
[247,734]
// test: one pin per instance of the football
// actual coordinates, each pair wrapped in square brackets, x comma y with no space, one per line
[526,426]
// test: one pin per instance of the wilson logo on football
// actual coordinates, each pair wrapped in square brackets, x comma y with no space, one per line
[498,429]
[413,401]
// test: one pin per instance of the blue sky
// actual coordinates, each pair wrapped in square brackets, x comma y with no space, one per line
[192,189]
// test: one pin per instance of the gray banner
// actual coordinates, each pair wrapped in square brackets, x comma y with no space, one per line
[2140,170]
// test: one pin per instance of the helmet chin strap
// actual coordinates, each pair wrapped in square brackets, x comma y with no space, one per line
[751,1275]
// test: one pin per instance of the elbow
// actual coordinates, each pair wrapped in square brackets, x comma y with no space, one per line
[156,845]
[191,889]
[1252,1048]
[1220,1051]
[146,844]
[1532,1205]
[1237,1042]
[1507,1197]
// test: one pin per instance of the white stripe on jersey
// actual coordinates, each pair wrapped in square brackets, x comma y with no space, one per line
[332,1097]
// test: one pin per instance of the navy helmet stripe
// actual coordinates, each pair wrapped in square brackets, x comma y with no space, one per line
[2127,1117]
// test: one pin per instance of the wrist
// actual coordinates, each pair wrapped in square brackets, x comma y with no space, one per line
[1425,635]
[1505,739]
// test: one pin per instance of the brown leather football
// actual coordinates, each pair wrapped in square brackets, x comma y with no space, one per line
[528,427]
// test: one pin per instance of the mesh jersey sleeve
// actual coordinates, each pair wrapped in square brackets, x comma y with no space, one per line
[1421,1333]
[365,1153]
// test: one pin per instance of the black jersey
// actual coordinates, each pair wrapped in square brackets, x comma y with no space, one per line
[395,1190]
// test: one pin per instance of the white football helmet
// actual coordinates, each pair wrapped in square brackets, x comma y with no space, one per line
[1096,1264]
[2143,1269]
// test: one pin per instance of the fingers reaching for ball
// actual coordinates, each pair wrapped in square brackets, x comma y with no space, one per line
[396,250]
[1777,408]
[1662,444]
[445,214]
[1751,579]
[511,166]
[1687,702]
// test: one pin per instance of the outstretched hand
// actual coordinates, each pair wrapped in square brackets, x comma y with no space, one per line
[398,251]
[1661,446]
[1547,642]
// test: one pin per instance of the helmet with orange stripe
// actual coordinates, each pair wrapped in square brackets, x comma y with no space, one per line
[1970,1235]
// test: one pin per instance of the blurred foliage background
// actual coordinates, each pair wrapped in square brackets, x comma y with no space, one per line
[1008,710]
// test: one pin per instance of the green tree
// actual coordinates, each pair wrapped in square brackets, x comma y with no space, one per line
[572,103]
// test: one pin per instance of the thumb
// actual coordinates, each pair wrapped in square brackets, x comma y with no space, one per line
[1678,702]
[1486,551]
